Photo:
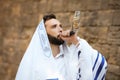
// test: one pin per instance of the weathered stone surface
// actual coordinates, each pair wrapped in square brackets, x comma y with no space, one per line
[110,4]
[83,5]
[114,72]
[112,54]
[57,5]
[29,14]
[93,34]
[100,26]
[118,55]
[114,4]
[114,35]
[116,17]
[111,76]
[97,18]
[66,21]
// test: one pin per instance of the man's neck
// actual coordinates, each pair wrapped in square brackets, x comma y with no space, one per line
[55,49]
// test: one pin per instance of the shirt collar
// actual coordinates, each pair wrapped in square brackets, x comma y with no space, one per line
[61,54]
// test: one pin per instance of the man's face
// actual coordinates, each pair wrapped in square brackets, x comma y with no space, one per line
[54,29]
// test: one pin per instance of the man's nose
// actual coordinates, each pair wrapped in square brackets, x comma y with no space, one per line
[60,29]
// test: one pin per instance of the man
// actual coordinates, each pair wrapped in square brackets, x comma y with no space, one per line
[49,58]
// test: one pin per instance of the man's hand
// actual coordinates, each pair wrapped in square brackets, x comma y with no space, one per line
[65,35]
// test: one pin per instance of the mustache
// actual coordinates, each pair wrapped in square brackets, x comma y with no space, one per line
[59,37]
[55,40]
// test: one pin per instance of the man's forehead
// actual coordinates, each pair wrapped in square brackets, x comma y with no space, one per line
[52,22]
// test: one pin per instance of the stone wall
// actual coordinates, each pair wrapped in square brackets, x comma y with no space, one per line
[100,26]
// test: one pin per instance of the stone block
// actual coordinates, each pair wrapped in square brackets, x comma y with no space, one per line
[5,13]
[29,20]
[110,4]
[1,39]
[57,5]
[118,56]
[93,4]
[104,18]
[76,5]
[96,18]
[114,32]
[29,15]
[113,54]
[94,34]
[113,35]
[64,18]
[111,76]
[114,41]
[114,4]
[40,17]
[104,4]
[4,71]
[42,6]
[116,18]
[83,5]
[16,8]
[114,69]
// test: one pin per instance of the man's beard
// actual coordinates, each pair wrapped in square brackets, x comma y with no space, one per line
[54,40]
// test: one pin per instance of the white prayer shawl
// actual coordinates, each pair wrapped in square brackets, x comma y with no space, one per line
[38,59]
[82,63]
[91,65]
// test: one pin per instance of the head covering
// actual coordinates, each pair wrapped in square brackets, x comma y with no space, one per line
[38,51]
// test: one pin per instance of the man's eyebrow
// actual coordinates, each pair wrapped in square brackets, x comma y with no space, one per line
[61,25]
[53,24]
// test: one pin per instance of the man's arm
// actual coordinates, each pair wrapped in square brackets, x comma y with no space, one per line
[91,60]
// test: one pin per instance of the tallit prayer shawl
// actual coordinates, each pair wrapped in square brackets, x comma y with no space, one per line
[37,59]
[91,64]
[99,68]
[81,63]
